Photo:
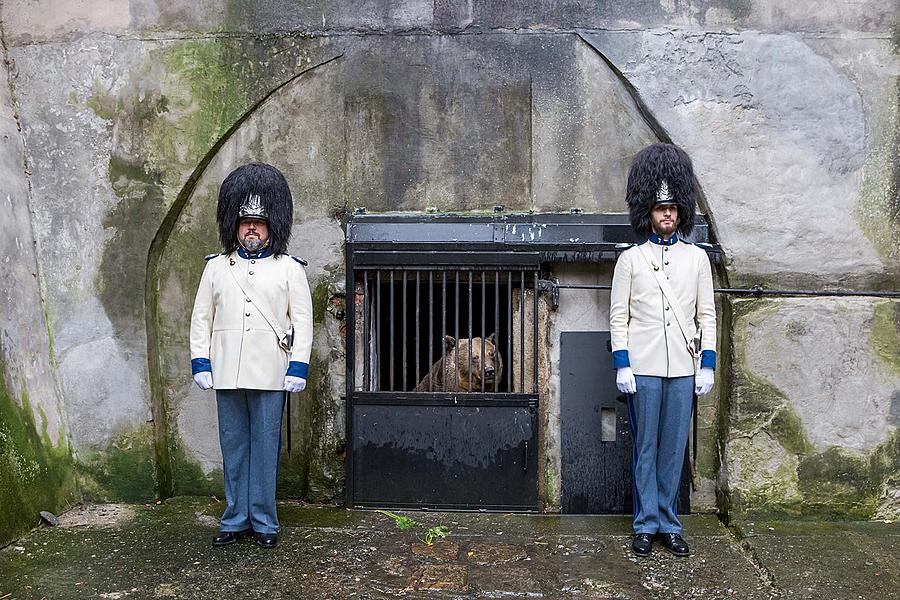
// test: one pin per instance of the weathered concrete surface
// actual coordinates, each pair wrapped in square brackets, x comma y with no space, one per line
[456,123]
[789,110]
[781,168]
[332,553]
[35,452]
[37,21]
[808,559]
[811,433]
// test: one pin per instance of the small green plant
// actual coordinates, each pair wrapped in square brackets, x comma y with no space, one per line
[401,521]
[434,533]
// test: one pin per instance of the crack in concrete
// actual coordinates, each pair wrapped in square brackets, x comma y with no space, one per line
[766,577]
[761,428]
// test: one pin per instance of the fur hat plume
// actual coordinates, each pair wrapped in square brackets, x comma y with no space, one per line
[255,190]
[661,174]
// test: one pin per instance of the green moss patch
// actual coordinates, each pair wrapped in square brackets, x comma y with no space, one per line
[837,483]
[878,210]
[35,474]
[123,471]
[885,334]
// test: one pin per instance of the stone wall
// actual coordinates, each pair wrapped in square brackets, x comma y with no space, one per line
[35,450]
[132,114]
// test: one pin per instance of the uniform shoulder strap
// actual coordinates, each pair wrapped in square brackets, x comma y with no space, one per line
[669,293]
[285,338]
[297,258]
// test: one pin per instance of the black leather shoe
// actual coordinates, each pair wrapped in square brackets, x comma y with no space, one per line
[226,538]
[675,544]
[642,544]
[267,540]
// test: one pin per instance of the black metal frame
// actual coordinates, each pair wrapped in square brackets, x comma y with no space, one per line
[400,243]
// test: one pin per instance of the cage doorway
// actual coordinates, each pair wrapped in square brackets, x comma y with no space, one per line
[443,406]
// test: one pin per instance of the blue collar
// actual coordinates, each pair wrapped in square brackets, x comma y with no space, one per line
[264,253]
[661,242]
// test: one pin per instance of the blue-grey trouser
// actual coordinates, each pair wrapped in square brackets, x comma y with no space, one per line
[250,437]
[660,414]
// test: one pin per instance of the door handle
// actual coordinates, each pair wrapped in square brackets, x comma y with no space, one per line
[525,461]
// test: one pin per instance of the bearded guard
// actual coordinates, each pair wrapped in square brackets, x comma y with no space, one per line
[251,340]
[661,294]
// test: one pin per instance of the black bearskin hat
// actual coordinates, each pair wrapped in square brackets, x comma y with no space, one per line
[271,191]
[654,165]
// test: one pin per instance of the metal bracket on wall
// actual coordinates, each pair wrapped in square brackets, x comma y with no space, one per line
[550,286]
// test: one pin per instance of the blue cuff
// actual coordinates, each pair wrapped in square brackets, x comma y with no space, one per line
[297,369]
[708,359]
[620,359]
[198,365]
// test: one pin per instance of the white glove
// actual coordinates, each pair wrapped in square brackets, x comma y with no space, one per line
[625,380]
[703,381]
[203,379]
[294,384]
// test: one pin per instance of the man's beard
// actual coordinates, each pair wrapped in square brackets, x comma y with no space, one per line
[665,230]
[252,244]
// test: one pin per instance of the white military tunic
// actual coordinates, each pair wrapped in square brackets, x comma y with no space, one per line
[640,319]
[229,330]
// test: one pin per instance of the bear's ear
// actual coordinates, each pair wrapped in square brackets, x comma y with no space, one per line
[493,338]
[449,342]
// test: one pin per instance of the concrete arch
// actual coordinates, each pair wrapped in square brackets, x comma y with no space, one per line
[159,404]
[533,122]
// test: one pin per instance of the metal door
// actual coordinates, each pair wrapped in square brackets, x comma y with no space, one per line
[596,436]
[438,442]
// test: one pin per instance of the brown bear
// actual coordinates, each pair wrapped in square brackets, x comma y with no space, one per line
[451,372]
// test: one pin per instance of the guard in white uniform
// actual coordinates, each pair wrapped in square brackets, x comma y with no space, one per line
[251,336]
[661,302]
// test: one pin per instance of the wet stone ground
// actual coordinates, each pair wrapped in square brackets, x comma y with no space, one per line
[164,551]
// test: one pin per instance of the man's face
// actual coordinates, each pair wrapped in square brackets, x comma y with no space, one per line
[664,219]
[253,234]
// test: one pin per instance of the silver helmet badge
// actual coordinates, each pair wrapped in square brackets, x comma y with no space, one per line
[252,208]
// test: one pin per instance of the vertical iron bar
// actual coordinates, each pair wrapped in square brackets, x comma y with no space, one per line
[367,335]
[534,333]
[403,341]
[509,334]
[522,332]
[443,320]
[391,317]
[418,328]
[349,370]
[469,345]
[376,383]
[497,360]
[456,325]
[430,324]
[483,325]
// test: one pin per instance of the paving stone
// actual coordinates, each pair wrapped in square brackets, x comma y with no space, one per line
[494,553]
[440,577]
[444,550]
[504,581]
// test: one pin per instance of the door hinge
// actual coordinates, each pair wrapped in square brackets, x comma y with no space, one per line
[550,286]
